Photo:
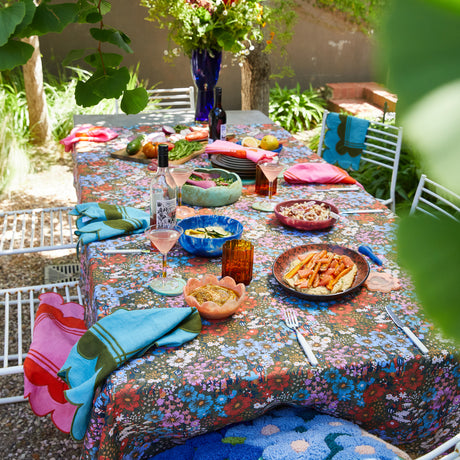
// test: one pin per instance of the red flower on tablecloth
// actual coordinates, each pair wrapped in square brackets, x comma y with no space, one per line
[278,380]
[374,392]
[238,405]
[363,414]
[129,399]
[412,377]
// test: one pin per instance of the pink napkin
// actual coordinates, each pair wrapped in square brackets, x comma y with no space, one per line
[320,173]
[88,133]
[57,327]
[238,151]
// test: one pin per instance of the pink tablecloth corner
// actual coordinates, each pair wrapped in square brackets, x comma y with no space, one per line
[88,133]
[57,327]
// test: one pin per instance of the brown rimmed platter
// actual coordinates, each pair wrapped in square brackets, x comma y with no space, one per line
[305,224]
[283,262]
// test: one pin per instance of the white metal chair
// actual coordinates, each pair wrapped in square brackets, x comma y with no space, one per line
[170,99]
[431,197]
[48,229]
[443,448]
[17,313]
[382,147]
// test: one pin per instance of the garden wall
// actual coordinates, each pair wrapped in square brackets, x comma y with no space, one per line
[324,50]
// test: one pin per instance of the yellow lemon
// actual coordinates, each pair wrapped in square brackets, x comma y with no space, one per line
[250,142]
[269,142]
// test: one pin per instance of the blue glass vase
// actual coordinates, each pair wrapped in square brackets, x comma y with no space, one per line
[205,72]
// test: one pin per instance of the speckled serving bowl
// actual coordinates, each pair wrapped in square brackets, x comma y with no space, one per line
[214,196]
[210,309]
[208,247]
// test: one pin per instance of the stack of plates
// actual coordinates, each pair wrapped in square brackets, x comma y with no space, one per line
[245,168]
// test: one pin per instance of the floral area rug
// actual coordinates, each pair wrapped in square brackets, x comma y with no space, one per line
[286,434]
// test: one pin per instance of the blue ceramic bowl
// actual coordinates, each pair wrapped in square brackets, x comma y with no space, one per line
[208,247]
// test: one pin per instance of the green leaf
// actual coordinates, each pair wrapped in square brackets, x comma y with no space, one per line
[10,18]
[73,55]
[51,18]
[113,36]
[28,17]
[110,60]
[100,85]
[422,50]
[134,100]
[93,17]
[14,53]
[430,250]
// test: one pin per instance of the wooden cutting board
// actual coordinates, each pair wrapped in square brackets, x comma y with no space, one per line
[140,157]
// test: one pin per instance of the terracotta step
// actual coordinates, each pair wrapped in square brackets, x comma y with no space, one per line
[358,107]
[363,92]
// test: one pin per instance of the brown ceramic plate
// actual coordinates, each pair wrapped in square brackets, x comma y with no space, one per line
[283,262]
[304,224]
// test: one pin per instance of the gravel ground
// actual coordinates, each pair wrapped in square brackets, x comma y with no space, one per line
[23,435]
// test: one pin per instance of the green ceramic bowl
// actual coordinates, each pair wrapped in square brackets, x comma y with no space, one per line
[214,196]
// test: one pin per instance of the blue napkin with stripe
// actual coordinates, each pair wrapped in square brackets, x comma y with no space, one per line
[112,341]
[99,221]
[344,140]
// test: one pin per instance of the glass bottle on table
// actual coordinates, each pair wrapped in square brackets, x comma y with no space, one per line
[217,118]
[162,193]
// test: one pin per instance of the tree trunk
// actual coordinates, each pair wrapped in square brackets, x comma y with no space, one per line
[255,86]
[39,125]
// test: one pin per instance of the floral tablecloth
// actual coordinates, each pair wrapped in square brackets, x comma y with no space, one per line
[236,369]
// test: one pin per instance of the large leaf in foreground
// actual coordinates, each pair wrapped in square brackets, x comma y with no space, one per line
[14,53]
[134,100]
[430,251]
[102,85]
[10,18]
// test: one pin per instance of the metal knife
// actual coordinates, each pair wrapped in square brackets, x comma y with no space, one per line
[406,330]
[361,211]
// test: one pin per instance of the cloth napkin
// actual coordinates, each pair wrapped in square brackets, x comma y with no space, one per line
[344,140]
[57,328]
[88,133]
[320,173]
[99,221]
[238,151]
[207,180]
[115,339]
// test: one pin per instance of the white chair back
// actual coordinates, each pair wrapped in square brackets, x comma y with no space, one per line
[17,314]
[431,197]
[170,99]
[47,229]
[382,147]
[443,448]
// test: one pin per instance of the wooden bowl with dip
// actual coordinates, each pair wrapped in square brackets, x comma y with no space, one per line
[214,298]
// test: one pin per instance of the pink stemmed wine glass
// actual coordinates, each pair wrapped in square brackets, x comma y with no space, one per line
[164,239]
[181,174]
[271,171]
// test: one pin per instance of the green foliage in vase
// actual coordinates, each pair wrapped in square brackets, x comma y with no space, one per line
[209,24]
[296,110]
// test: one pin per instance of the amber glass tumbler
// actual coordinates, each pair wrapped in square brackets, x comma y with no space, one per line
[237,260]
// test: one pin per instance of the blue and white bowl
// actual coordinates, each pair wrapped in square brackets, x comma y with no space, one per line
[208,247]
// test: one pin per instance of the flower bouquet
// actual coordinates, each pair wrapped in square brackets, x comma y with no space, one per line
[214,25]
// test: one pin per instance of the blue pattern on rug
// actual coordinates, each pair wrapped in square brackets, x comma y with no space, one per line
[284,434]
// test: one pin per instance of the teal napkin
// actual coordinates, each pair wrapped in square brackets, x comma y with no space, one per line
[99,221]
[344,140]
[112,341]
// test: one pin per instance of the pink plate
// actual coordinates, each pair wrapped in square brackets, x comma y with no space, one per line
[304,224]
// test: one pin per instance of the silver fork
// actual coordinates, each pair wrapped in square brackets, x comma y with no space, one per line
[290,318]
